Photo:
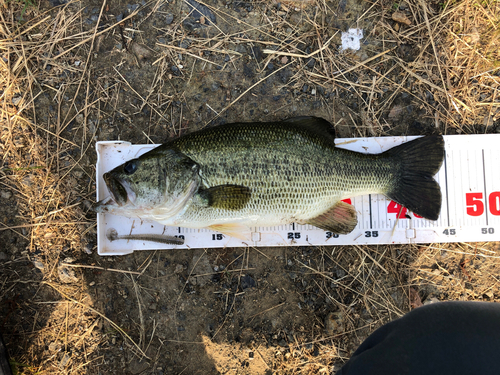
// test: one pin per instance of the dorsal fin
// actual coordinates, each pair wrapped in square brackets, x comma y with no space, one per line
[318,125]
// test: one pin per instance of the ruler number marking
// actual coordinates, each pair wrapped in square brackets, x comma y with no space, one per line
[487,230]
[330,235]
[494,201]
[394,208]
[293,235]
[450,232]
[476,207]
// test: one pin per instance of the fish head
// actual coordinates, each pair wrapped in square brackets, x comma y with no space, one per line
[159,182]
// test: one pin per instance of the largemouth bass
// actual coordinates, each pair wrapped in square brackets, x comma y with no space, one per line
[236,176]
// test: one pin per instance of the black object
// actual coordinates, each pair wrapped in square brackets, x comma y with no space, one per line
[444,338]
[4,359]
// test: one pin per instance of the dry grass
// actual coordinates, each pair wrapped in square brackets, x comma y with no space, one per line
[53,105]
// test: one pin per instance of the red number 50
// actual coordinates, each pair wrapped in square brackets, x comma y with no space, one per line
[475,204]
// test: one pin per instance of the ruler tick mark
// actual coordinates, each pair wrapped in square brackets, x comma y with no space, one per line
[370,202]
[485,194]
[446,185]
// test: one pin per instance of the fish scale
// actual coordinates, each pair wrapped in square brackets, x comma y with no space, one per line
[295,185]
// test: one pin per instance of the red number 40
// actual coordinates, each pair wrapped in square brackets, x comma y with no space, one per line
[475,204]
[394,208]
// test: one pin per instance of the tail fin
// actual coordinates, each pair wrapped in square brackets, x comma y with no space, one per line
[414,186]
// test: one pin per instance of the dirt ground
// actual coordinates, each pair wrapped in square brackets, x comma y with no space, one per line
[73,73]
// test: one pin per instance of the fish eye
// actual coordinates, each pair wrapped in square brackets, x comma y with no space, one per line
[130,167]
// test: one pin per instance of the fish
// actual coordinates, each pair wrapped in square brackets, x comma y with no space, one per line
[233,177]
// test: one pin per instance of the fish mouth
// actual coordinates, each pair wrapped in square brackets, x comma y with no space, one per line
[116,189]
[119,195]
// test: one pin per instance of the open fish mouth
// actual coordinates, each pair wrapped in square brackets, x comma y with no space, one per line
[116,189]
[120,195]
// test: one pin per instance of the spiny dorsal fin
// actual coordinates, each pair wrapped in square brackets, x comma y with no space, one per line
[227,197]
[316,124]
[340,219]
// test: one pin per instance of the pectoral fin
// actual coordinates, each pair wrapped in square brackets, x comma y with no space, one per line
[340,219]
[227,197]
[239,231]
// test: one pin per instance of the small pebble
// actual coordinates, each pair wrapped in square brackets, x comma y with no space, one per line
[175,70]
[119,17]
[169,18]
[5,194]
[178,269]
[132,7]
[215,86]
[311,63]
[334,323]
[38,264]
[428,301]
[247,281]
[87,249]
[16,100]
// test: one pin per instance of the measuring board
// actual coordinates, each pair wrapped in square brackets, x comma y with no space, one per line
[470,211]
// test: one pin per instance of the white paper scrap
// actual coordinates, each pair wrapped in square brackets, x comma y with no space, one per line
[352,39]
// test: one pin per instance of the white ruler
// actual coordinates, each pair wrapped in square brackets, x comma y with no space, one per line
[470,186]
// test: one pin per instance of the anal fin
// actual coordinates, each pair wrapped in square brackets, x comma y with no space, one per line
[340,219]
[239,231]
